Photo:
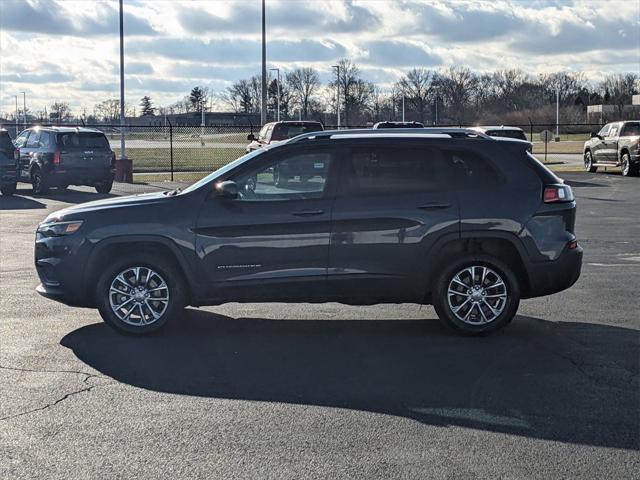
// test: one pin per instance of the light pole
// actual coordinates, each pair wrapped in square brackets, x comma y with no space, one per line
[337,67]
[263,103]
[123,154]
[278,80]
[402,108]
[24,108]
[16,115]
[557,113]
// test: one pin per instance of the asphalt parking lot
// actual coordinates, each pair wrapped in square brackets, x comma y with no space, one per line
[329,391]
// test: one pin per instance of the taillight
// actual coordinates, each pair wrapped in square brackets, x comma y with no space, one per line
[56,157]
[557,193]
[16,154]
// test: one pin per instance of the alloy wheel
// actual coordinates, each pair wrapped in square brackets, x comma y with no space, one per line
[477,295]
[138,296]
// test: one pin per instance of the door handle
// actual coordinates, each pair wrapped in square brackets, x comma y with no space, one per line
[434,206]
[307,213]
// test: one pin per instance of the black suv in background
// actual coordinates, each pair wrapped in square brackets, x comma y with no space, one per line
[8,164]
[280,131]
[63,156]
[451,218]
[616,145]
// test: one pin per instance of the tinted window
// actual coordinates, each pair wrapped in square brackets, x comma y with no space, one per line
[292,176]
[33,140]
[475,171]
[284,131]
[83,140]
[519,134]
[391,170]
[45,139]
[630,130]
[22,139]
[5,141]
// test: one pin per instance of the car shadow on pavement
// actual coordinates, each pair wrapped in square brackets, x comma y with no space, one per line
[16,202]
[66,196]
[561,381]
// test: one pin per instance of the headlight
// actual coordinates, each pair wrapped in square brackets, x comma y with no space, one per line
[58,229]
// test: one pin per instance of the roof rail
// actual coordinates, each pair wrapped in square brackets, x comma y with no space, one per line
[391,132]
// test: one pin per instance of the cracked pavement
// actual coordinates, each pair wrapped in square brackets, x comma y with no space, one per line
[328,391]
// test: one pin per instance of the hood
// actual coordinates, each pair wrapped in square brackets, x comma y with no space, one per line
[110,203]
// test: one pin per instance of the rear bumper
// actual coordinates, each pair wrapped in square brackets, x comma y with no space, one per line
[554,276]
[79,177]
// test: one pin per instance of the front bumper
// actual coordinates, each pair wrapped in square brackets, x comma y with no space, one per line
[554,276]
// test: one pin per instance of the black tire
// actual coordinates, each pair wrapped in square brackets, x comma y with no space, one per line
[38,183]
[9,190]
[588,162]
[167,271]
[442,303]
[104,187]
[628,169]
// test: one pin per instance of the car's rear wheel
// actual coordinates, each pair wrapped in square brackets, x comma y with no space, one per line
[38,183]
[477,294]
[8,190]
[628,169]
[588,162]
[104,187]
[140,293]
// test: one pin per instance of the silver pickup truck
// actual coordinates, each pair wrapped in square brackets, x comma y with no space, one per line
[616,145]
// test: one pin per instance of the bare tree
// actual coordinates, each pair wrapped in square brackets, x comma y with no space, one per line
[619,88]
[416,87]
[244,95]
[304,84]
[59,111]
[457,86]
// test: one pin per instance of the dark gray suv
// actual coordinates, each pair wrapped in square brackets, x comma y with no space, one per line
[63,156]
[451,218]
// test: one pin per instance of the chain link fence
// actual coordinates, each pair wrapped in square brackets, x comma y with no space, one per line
[166,156]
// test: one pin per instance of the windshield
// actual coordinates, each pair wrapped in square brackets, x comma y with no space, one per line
[223,170]
[631,130]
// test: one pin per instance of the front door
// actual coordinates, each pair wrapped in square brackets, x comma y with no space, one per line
[393,203]
[272,242]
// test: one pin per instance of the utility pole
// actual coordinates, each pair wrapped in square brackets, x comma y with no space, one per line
[557,113]
[278,80]
[263,107]
[337,67]
[436,110]
[123,154]
[403,108]
[16,115]
[24,109]
[202,118]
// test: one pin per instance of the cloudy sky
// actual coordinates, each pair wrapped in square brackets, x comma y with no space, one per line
[67,50]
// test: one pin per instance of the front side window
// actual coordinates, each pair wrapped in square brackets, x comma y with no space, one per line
[21,141]
[263,132]
[395,170]
[291,176]
[613,131]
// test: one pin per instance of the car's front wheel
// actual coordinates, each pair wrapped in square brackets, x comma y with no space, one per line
[588,162]
[477,294]
[140,293]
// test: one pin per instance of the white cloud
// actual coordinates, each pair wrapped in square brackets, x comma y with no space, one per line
[68,49]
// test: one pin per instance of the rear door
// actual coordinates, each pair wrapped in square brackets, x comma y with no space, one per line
[609,151]
[87,154]
[394,202]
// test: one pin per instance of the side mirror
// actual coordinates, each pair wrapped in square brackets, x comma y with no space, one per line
[595,135]
[251,137]
[227,189]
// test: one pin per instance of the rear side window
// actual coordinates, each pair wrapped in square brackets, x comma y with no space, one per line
[396,170]
[630,130]
[474,170]
[73,140]
[285,131]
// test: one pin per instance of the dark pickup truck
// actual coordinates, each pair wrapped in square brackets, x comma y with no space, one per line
[616,145]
